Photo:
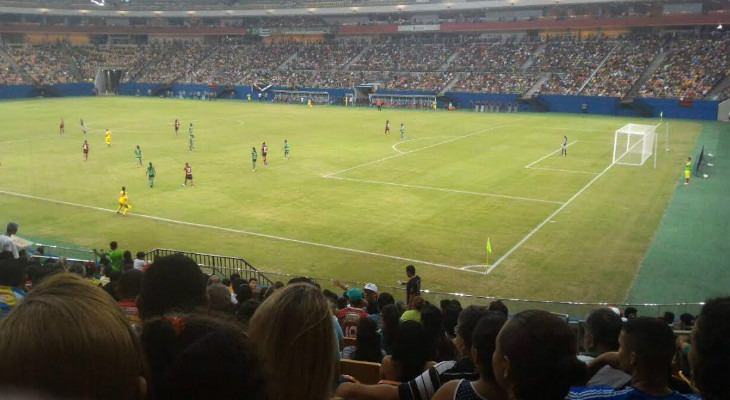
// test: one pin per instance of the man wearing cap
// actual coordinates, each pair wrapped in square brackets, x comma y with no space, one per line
[6,243]
[371,296]
[349,316]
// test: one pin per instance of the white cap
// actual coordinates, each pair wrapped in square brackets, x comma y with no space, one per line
[371,287]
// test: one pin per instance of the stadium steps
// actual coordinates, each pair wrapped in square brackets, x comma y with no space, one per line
[445,65]
[140,72]
[346,67]
[72,63]
[648,72]
[598,67]
[282,66]
[531,60]
[720,87]
[536,87]
[9,59]
[450,84]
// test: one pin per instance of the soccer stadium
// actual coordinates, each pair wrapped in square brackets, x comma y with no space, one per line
[365,199]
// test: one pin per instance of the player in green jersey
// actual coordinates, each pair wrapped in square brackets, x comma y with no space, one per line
[151,174]
[402,132]
[286,149]
[254,156]
[138,155]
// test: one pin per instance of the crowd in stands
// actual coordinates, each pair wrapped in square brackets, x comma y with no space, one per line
[8,75]
[165,330]
[601,67]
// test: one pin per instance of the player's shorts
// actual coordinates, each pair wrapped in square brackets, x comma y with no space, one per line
[151,176]
[686,174]
[190,177]
[86,151]
[264,154]
[107,141]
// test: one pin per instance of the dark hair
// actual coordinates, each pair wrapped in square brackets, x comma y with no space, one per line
[201,357]
[630,311]
[171,283]
[711,347]
[390,320]
[451,319]
[78,269]
[219,300]
[242,290]
[130,284]
[653,342]
[687,319]
[252,279]
[541,350]
[246,310]
[468,321]
[226,282]
[498,305]
[113,245]
[485,341]
[140,254]
[331,296]
[668,317]
[605,327]
[411,269]
[411,350]
[368,341]
[433,321]
[12,272]
[235,276]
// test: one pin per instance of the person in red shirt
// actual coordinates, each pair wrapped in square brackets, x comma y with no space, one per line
[349,316]
[177,126]
[264,151]
[60,128]
[188,175]
[85,149]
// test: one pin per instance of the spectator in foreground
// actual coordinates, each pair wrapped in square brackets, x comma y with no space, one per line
[293,331]
[630,312]
[75,362]
[384,299]
[12,278]
[425,385]
[172,283]
[413,353]
[388,327]
[128,288]
[367,344]
[201,357]
[710,353]
[139,261]
[646,351]
[535,357]
[414,313]
[219,300]
[602,329]
[433,321]
[498,305]
[484,342]
[6,242]
[350,315]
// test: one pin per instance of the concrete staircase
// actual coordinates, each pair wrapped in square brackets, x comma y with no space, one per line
[590,77]
[450,84]
[16,67]
[285,64]
[346,67]
[71,61]
[452,57]
[536,87]
[724,84]
[531,60]
[648,72]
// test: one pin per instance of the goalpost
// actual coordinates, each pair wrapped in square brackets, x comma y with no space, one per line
[633,144]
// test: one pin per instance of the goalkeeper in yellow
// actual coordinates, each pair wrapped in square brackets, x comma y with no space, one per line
[108,137]
[123,202]
[687,170]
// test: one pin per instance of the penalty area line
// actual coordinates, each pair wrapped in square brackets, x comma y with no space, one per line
[238,231]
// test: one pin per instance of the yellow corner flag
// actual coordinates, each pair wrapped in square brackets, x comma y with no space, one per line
[489,251]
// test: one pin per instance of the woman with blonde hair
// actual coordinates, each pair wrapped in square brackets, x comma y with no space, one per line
[294,333]
[69,339]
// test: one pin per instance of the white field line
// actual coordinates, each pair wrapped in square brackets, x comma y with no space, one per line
[546,220]
[413,151]
[239,231]
[564,170]
[395,145]
[445,190]
[576,129]
[468,267]
[554,152]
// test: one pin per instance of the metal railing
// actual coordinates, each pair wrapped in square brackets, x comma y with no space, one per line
[216,264]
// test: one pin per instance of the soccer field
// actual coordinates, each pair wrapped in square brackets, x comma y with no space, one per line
[350,203]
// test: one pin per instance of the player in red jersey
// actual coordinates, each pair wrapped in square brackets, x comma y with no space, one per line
[188,175]
[177,126]
[85,149]
[387,127]
[264,152]
[60,127]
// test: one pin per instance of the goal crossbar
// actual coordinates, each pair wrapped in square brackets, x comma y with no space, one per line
[633,144]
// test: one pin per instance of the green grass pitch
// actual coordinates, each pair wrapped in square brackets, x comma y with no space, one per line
[350,203]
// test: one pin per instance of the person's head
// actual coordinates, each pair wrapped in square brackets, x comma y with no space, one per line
[105,362]
[246,310]
[390,319]
[646,347]
[127,256]
[235,276]
[602,328]
[468,319]
[171,283]
[242,290]
[630,312]
[410,271]
[40,250]
[140,255]
[484,341]
[432,320]
[354,297]
[412,349]
[294,332]
[77,268]
[113,245]
[418,303]
[535,357]
[253,149]
[12,272]
[385,299]
[150,163]
[253,283]
[12,228]
[213,279]
[668,317]
[451,318]
[710,352]
[687,321]
[219,298]
[368,341]
[498,305]
[130,284]
[371,292]
[201,357]
[186,164]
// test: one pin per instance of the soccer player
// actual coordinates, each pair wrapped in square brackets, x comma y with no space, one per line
[83,126]
[151,174]
[123,202]
[191,144]
[190,129]
[254,156]
[402,132]
[286,150]
[687,170]
[138,155]
[60,127]
[387,126]
[188,175]
[309,102]
[177,126]
[564,147]
[108,138]
[264,152]
[85,149]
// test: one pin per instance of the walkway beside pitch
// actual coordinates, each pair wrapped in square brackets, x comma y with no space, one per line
[689,257]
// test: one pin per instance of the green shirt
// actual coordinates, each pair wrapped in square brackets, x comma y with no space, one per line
[150,171]
[688,166]
[402,129]
[138,152]
[116,258]
[286,146]
[253,156]
[190,129]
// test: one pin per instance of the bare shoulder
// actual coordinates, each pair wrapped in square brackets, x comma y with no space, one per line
[446,391]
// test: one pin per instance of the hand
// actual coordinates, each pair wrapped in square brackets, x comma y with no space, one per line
[350,378]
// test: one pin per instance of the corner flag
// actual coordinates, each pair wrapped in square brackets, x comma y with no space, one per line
[489,251]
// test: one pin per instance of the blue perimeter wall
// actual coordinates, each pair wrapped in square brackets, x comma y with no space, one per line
[699,109]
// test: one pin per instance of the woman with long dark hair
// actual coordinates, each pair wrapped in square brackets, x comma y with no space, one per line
[389,323]
[367,343]
[413,353]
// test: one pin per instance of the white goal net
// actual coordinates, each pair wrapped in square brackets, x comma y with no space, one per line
[633,144]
